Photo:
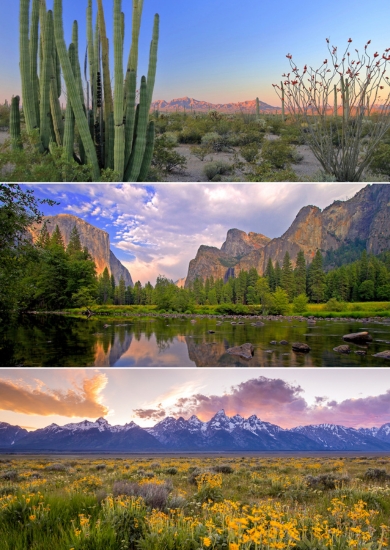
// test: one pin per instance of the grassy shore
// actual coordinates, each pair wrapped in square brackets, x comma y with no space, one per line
[190,503]
[355,310]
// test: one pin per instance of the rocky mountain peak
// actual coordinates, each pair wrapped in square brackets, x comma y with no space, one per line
[96,240]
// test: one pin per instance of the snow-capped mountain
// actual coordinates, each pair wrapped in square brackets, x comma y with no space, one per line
[220,433]
[10,434]
[334,437]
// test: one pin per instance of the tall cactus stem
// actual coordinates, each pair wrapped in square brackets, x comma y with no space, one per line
[14,123]
[139,145]
[69,115]
[148,155]
[335,101]
[282,88]
[152,60]
[119,144]
[73,94]
[25,73]
[34,36]
[45,81]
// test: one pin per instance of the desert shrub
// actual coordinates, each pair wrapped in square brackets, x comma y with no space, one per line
[165,158]
[10,475]
[194,474]
[249,152]
[190,135]
[215,142]
[57,467]
[218,167]
[155,466]
[101,467]
[325,481]
[155,495]
[376,474]
[200,151]
[278,153]
[222,469]
[266,172]
[380,160]
[172,471]
[171,138]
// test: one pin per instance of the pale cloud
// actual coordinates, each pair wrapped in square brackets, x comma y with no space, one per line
[273,400]
[158,228]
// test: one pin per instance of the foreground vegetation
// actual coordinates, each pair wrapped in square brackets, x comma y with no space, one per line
[234,503]
[239,147]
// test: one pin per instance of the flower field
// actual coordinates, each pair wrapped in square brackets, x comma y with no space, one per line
[193,503]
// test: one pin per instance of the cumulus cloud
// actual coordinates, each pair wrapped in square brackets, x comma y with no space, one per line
[278,402]
[158,229]
[81,400]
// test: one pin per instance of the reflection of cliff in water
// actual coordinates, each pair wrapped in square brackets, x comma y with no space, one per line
[214,354]
[109,350]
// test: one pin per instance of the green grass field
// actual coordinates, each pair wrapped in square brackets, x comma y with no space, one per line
[192,503]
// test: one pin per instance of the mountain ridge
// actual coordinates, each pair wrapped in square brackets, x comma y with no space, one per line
[189,103]
[220,433]
[365,216]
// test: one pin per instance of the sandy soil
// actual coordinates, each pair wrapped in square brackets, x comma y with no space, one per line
[3,136]
[194,170]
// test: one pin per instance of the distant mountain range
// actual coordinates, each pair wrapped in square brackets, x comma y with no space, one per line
[189,103]
[366,217]
[220,433]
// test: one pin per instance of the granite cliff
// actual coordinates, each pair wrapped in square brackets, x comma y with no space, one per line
[365,216]
[96,240]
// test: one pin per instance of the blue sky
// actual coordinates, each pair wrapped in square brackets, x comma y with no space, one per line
[220,50]
[286,397]
[157,229]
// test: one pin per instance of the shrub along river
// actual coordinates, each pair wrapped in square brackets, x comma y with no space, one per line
[61,341]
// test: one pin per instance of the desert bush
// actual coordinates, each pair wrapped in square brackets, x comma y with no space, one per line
[10,475]
[249,152]
[376,474]
[326,481]
[380,160]
[190,135]
[57,467]
[172,471]
[218,167]
[155,495]
[222,469]
[165,158]
[278,153]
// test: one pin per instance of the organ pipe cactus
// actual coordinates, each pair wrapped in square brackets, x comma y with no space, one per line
[113,131]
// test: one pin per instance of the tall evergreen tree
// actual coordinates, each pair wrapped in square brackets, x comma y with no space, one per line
[270,274]
[300,274]
[74,245]
[317,278]
[287,276]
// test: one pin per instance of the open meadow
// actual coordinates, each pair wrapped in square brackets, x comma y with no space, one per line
[194,502]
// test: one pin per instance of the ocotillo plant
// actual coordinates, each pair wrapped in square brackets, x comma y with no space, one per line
[336,141]
[113,131]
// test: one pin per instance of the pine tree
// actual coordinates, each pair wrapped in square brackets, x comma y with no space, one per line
[300,274]
[287,276]
[43,240]
[121,291]
[56,239]
[74,247]
[317,278]
[278,275]
[270,274]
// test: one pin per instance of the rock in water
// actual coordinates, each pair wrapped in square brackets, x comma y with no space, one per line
[342,349]
[383,354]
[245,351]
[300,347]
[358,337]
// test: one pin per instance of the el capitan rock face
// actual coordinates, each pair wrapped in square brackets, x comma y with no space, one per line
[96,240]
[366,216]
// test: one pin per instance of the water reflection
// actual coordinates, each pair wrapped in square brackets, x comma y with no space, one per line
[56,341]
